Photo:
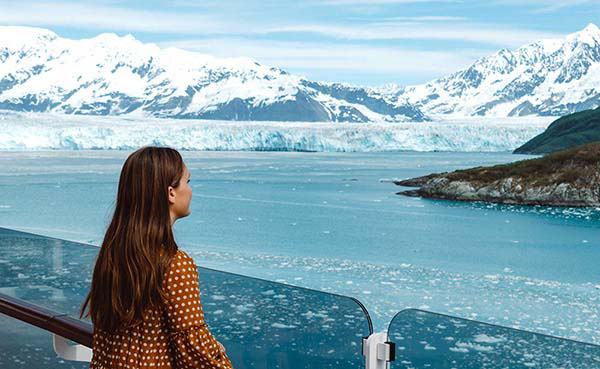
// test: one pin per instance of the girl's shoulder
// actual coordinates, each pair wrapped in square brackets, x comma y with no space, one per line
[180,254]
[182,266]
[182,257]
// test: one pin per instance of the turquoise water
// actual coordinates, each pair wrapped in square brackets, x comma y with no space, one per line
[332,222]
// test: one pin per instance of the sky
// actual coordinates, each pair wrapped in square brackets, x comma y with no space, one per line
[361,42]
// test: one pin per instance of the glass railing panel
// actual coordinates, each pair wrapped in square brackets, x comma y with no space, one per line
[24,346]
[429,340]
[268,324]
[262,324]
[50,272]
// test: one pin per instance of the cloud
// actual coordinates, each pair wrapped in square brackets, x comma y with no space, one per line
[546,6]
[110,16]
[107,16]
[427,18]
[479,33]
[394,62]
[379,2]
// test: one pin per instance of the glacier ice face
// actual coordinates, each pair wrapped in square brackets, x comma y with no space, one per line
[39,131]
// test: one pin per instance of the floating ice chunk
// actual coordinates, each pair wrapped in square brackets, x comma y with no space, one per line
[282,326]
[309,314]
[474,346]
[484,338]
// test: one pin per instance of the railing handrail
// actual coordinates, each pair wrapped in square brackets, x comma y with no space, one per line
[61,324]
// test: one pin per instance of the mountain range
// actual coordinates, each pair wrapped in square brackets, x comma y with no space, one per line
[112,75]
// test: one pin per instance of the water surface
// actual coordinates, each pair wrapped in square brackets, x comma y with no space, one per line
[333,222]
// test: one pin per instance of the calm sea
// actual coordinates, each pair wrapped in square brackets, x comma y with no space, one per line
[332,222]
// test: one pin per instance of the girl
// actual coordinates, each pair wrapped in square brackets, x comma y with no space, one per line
[144,299]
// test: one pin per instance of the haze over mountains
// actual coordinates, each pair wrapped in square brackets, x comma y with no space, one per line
[111,75]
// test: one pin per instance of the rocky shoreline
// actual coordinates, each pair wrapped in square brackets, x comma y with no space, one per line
[570,178]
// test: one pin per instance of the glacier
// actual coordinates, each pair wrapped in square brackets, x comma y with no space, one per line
[44,131]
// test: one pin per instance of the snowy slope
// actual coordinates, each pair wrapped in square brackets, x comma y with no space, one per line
[111,75]
[550,77]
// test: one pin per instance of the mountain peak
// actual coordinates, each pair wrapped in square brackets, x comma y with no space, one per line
[591,28]
[590,35]
[14,34]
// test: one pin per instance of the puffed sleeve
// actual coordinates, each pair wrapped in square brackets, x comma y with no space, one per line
[192,344]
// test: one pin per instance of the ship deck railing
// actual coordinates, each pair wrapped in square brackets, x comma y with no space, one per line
[263,324]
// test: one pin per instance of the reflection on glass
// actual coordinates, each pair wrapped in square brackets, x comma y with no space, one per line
[429,340]
[29,347]
[262,324]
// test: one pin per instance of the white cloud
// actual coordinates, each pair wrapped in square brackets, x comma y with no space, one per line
[306,56]
[107,17]
[428,18]
[373,2]
[546,6]
[112,17]
[482,33]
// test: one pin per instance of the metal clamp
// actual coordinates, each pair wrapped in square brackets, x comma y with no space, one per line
[378,351]
[70,352]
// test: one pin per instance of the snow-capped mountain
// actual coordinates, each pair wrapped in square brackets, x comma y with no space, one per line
[550,77]
[111,75]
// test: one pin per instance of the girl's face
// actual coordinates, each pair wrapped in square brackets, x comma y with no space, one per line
[180,197]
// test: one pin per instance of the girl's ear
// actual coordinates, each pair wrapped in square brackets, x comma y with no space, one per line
[171,195]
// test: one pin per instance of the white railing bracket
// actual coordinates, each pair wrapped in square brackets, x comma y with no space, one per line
[378,351]
[70,352]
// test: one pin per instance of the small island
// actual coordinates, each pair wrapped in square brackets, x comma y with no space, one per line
[568,178]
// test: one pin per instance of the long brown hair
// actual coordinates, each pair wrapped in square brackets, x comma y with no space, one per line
[138,245]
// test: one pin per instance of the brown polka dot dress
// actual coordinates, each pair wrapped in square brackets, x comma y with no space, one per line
[174,336]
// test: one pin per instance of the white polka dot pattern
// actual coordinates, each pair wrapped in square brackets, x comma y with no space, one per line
[174,336]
